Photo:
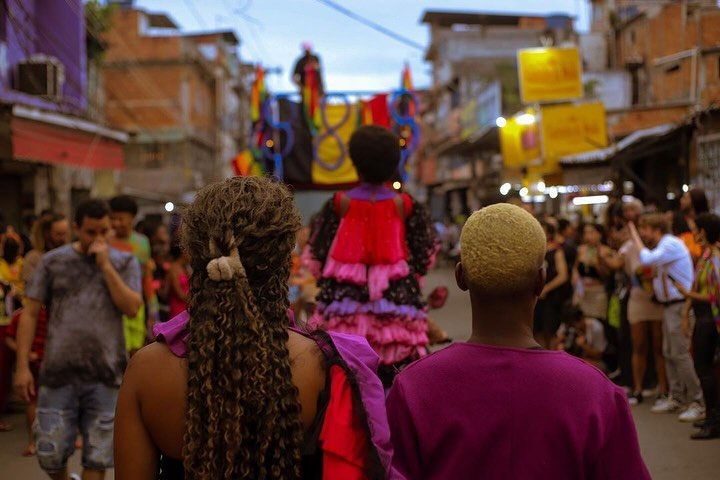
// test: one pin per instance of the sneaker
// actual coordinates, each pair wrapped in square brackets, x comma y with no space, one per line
[693,413]
[665,405]
[635,399]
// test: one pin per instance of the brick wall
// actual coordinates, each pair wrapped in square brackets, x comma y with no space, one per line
[152,93]
[624,123]
[675,29]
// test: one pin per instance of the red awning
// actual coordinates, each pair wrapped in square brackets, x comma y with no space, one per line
[47,143]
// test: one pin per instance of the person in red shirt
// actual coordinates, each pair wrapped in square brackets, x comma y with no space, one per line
[36,355]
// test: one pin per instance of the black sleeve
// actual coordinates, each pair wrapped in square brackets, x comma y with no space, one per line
[421,239]
[322,231]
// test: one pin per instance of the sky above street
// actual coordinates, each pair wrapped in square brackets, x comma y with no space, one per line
[354,56]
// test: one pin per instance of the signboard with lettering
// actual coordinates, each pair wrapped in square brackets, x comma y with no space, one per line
[482,110]
[572,128]
[550,74]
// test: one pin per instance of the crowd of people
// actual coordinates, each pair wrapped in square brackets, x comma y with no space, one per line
[642,287]
[53,288]
[241,345]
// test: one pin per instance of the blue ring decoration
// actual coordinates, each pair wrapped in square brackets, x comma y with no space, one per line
[272,154]
[331,132]
[408,150]
[405,121]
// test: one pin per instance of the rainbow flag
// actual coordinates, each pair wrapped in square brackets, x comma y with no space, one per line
[258,94]
[406,79]
[311,97]
[244,165]
[406,84]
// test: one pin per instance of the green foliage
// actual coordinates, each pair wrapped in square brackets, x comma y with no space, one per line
[98,18]
[590,88]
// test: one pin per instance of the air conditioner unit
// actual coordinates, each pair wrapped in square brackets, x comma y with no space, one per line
[40,75]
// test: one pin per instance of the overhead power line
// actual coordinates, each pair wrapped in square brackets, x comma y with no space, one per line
[194,11]
[373,25]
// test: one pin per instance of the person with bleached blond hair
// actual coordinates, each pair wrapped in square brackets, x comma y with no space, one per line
[498,406]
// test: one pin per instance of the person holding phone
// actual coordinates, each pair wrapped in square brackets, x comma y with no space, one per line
[87,287]
[673,264]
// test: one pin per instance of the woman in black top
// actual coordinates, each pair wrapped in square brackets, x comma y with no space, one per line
[556,292]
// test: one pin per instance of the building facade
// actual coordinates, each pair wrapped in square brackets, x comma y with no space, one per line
[671,52]
[179,96]
[52,154]
[475,80]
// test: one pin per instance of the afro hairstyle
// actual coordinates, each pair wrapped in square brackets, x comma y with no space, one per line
[375,152]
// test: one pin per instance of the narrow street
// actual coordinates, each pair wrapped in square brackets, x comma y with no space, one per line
[667,450]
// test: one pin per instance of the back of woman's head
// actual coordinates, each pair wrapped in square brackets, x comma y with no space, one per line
[699,200]
[710,224]
[243,415]
[679,224]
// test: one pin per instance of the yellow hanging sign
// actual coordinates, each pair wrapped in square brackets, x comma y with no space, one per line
[519,143]
[570,129]
[549,74]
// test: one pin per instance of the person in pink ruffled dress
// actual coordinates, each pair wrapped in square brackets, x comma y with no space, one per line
[370,248]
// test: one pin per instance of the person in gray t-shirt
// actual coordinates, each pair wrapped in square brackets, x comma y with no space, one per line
[87,287]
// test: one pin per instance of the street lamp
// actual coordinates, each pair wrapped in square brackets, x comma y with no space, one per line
[591,200]
[526,119]
[505,188]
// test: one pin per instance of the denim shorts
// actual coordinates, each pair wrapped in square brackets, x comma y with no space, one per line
[62,413]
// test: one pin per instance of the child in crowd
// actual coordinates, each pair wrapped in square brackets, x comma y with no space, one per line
[583,337]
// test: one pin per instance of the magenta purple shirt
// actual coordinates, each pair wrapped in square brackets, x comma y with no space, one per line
[478,411]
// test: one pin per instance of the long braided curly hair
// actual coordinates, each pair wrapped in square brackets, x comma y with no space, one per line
[243,415]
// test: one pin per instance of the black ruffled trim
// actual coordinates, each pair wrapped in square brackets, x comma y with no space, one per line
[421,241]
[421,238]
[405,291]
[323,229]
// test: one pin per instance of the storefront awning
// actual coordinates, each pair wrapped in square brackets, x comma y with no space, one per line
[62,140]
[604,154]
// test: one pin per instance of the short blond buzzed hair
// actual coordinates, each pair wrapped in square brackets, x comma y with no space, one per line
[502,250]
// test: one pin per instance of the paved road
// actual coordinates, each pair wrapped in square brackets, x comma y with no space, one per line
[666,447]
[667,450]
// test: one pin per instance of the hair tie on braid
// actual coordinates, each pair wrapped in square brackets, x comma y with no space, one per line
[225,267]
